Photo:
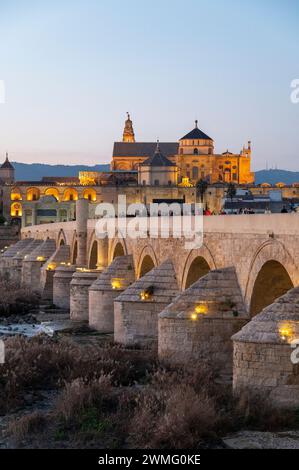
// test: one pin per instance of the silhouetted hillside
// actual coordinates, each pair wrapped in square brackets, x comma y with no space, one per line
[35,171]
[276,176]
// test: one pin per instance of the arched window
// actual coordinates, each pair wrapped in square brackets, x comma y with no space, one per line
[90,194]
[32,194]
[52,192]
[15,194]
[195,151]
[70,195]
[195,173]
[16,210]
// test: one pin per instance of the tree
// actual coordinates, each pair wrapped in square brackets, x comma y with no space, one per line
[231,192]
[201,188]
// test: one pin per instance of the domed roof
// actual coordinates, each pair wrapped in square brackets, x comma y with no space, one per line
[157,159]
[196,134]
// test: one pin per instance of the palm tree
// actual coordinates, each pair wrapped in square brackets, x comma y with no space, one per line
[231,192]
[201,188]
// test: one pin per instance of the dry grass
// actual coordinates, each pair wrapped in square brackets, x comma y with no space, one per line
[114,398]
[43,363]
[254,411]
[32,423]
[15,299]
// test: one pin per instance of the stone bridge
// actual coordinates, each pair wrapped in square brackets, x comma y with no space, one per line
[241,284]
[263,248]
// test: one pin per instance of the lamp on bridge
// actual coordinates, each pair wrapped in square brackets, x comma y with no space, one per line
[147,293]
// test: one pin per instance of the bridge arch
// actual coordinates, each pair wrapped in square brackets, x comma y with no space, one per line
[93,255]
[61,240]
[198,263]
[272,273]
[117,248]
[74,249]
[147,261]
[272,282]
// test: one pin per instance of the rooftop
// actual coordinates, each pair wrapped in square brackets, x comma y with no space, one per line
[157,159]
[144,149]
[196,134]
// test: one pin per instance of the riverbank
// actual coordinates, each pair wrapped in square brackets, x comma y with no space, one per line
[64,385]
[79,390]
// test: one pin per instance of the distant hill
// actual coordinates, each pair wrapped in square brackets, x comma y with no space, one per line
[35,171]
[276,176]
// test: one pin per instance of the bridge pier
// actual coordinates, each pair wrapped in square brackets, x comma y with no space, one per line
[111,282]
[262,353]
[6,258]
[199,323]
[81,280]
[61,255]
[136,309]
[17,260]
[61,286]
[31,269]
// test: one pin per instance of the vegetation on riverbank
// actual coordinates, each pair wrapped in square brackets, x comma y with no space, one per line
[110,397]
[16,300]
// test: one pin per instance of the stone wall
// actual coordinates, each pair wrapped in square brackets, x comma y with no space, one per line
[9,235]
[266,370]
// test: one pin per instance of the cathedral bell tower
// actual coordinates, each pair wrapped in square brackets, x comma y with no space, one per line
[128,135]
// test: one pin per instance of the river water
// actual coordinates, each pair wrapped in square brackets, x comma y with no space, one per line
[29,330]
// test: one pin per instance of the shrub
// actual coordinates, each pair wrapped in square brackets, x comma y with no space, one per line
[78,396]
[43,362]
[178,409]
[254,410]
[15,299]
[20,428]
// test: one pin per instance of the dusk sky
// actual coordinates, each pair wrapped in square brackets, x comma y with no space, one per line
[72,69]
